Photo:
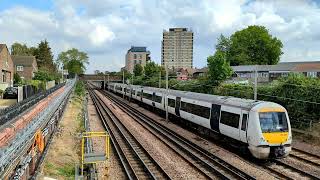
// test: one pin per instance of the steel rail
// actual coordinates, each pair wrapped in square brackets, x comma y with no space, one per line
[305,157]
[149,168]
[295,169]
[211,161]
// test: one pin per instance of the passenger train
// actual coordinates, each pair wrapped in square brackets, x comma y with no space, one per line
[263,127]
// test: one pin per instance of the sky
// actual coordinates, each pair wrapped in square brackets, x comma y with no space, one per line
[106,29]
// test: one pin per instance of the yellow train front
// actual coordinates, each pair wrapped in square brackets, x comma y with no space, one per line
[269,131]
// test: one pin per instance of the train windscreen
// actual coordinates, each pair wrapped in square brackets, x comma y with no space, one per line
[273,122]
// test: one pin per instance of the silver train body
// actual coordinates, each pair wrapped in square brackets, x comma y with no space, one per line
[263,127]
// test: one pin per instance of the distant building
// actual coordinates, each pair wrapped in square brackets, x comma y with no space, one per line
[25,66]
[6,67]
[177,48]
[136,55]
[267,73]
[96,72]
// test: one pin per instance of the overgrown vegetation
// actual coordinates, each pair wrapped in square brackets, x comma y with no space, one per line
[80,89]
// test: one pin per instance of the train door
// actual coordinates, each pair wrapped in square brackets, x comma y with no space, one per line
[215,116]
[178,102]
[243,127]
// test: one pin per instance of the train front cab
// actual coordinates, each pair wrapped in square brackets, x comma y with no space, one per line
[269,131]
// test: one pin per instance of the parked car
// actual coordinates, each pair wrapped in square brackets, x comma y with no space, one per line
[10,93]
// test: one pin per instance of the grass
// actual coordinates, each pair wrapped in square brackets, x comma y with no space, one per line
[66,170]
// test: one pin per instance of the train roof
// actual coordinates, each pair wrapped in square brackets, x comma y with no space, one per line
[222,100]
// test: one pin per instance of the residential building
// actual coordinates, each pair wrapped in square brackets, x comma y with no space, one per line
[267,73]
[6,67]
[177,48]
[136,55]
[25,66]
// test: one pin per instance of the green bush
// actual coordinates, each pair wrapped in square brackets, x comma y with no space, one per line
[80,88]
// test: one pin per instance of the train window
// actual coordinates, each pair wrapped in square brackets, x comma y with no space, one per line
[230,119]
[119,88]
[195,109]
[158,98]
[171,102]
[147,96]
[244,122]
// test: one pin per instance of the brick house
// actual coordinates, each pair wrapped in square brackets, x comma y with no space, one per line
[25,66]
[6,67]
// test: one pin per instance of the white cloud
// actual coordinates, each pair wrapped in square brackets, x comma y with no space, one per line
[106,29]
[100,35]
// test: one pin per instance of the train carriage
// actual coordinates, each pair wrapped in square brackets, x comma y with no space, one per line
[263,127]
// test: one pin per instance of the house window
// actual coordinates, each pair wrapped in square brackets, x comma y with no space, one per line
[19,68]
[134,56]
[135,61]
[139,61]
[140,56]
[311,74]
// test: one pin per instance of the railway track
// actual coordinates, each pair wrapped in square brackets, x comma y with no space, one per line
[283,166]
[306,157]
[207,163]
[137,162]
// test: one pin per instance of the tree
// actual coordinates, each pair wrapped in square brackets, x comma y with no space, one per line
[44,57]
[224,44]
[16,79]
[218,68]
[151,69]
[253,45]
[138,70]
[43,75]
[21,49]
[74,61]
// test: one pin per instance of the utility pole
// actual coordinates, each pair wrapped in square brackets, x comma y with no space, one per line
[108,79]
[167,92]
[62,71]
[123,84]
[255,83]
[160,78]
[104,81]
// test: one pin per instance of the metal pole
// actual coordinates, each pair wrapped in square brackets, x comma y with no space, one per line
[167,92]
[123,84]
[108,79]
[160,78]
[255,83]
[104,81]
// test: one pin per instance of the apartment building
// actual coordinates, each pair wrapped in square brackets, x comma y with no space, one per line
[136,55]
[177,48]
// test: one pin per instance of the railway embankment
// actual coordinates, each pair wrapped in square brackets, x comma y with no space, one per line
[64,151]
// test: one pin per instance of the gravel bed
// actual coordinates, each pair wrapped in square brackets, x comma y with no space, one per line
[111,169]
[312,148]
[224,154]
[302,166]
[173,164]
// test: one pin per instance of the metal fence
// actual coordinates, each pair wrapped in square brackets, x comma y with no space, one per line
[11,112]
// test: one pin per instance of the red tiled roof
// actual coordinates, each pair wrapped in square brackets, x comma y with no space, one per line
[314,67]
